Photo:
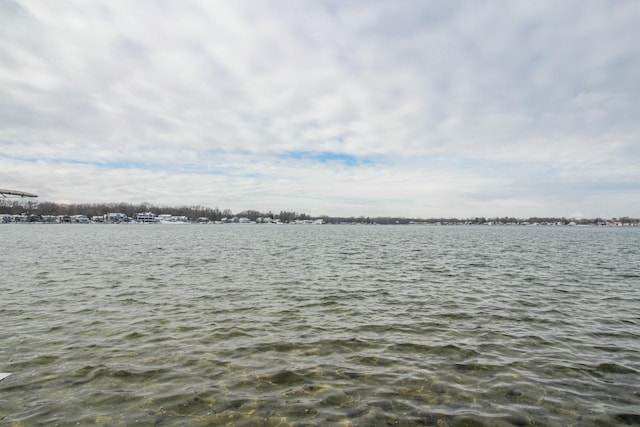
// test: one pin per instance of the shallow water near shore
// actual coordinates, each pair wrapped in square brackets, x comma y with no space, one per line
[319,325]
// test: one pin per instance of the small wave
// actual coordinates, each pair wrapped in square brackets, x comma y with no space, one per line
[474,366]
[285,377]
[94,372]
[373,361]
[446,350]
[614,368]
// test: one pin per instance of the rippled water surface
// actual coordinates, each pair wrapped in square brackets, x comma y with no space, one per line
[319,325]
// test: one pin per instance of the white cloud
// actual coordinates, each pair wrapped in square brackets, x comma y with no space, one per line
[201,103]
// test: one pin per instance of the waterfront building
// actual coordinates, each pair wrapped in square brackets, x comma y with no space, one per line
[146,217]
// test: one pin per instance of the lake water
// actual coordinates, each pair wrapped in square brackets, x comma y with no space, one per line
[203,325]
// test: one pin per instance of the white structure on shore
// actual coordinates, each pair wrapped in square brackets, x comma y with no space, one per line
[172,219]
[146,217]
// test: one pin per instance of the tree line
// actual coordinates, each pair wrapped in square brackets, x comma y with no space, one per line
[38,209]
[20,206]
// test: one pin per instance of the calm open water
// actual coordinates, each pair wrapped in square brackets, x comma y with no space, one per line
[319,325]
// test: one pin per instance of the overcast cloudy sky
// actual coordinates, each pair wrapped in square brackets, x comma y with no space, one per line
[412,108]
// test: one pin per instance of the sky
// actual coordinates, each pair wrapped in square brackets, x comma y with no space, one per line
[343,108]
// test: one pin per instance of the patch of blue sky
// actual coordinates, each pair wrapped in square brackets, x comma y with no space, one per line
[94,163]
[124,164]
[105,165]
[204,169]
[329,157]
[20,158]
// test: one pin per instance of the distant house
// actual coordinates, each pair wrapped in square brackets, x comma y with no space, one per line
[115,217]
[146,217]
[81,219]
[171,219]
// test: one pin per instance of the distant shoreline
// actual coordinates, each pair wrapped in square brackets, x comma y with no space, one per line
[9,219]
[49,212]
